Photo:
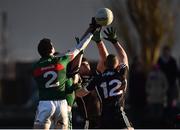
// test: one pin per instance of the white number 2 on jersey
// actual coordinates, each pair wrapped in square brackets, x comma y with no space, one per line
[113,91]
[50,83]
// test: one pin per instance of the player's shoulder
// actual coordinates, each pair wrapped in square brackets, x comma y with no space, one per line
[121,66]
[122,69]
[61,57]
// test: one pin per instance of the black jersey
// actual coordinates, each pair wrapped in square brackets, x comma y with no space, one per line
[89,105]
[110,85]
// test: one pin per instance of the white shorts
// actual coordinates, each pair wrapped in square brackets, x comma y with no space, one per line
[52,111]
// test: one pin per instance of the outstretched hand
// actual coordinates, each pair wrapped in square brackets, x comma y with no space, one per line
[97,37]
[111,35]
[93,25]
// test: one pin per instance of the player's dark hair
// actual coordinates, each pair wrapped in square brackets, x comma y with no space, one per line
[110,61]
[84,59]
[45,47]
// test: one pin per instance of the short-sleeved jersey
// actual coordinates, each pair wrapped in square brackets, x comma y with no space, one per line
[50,75]
[110,85]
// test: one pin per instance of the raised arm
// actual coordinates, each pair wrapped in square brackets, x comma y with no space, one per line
[121,53]
[112,37]
[74,65]
[103,52]
[86,38]
[81,46]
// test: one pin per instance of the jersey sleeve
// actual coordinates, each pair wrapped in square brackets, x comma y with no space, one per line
[74,65]
[79,47]
[64,60]
[123,70]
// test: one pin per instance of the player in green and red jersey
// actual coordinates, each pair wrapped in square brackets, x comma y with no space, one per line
[50,75]
[70,97]
[72,74]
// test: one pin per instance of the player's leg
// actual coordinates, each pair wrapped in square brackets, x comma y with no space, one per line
[106,118]
[69,118]
[81,102]
[61,115]
[44,112]
[125,121]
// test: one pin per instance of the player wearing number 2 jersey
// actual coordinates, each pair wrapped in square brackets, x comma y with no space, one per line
[111,86]
[50,75]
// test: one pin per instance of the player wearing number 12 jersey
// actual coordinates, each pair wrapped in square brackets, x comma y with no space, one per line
[50,75]
[111,87]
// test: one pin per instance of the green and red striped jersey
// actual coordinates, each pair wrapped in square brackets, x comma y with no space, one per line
[50,75]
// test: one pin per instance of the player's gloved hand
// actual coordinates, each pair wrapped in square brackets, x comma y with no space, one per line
[111,35]
[77,40]
[93,26]
[97,37]
[77,86]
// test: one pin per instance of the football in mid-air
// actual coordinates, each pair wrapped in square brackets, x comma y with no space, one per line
[104,16]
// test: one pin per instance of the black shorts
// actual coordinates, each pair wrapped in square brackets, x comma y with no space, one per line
[114,119]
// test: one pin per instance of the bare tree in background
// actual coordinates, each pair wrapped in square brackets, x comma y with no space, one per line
[151,20]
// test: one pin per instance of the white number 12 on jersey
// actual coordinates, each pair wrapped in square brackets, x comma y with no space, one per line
[113,91]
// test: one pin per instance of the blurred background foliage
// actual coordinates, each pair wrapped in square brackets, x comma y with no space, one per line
[144,25]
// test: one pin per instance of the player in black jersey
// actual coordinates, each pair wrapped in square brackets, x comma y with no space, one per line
[111,86]
[89,105]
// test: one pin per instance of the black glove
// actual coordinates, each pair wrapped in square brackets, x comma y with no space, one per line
[111,35]
[97,37]
[93,25]
[77,40]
